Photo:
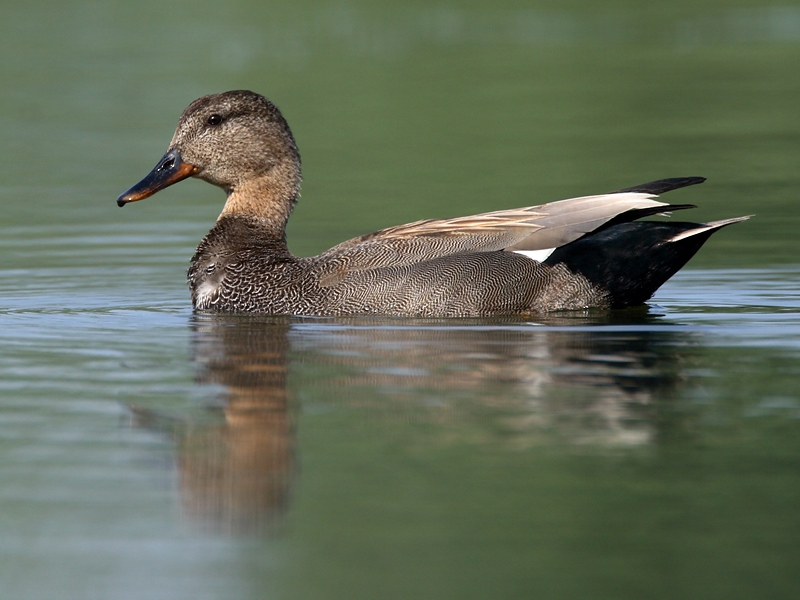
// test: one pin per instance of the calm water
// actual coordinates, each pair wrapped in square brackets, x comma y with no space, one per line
[148,452]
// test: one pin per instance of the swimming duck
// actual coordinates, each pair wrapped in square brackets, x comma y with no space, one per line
[571,254]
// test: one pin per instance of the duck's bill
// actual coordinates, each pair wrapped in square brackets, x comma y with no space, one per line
[170,169]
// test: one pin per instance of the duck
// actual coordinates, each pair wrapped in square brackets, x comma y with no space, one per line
[575,254]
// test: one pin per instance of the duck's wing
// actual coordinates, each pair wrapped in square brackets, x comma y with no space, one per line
[532,228]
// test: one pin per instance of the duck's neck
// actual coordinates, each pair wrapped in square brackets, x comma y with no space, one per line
[266,201]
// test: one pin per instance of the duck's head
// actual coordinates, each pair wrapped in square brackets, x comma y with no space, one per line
[227,139]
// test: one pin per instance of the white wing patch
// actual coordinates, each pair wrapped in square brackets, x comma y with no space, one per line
[537,255]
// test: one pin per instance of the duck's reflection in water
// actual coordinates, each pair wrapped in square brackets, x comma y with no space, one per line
[508,381]
[577,379]
[236,475]
[236,463]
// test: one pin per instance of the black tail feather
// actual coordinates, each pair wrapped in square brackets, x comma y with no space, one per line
[663,186]
[631,260]
[640,213]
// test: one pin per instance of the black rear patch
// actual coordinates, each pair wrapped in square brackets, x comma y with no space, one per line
[631,260]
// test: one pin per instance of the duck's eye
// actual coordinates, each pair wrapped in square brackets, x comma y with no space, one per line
[215,119]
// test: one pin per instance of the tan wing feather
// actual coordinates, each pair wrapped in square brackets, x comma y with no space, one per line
[567,220]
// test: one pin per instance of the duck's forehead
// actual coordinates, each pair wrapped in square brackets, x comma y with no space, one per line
[241,103]
[198,112]
[208,104]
